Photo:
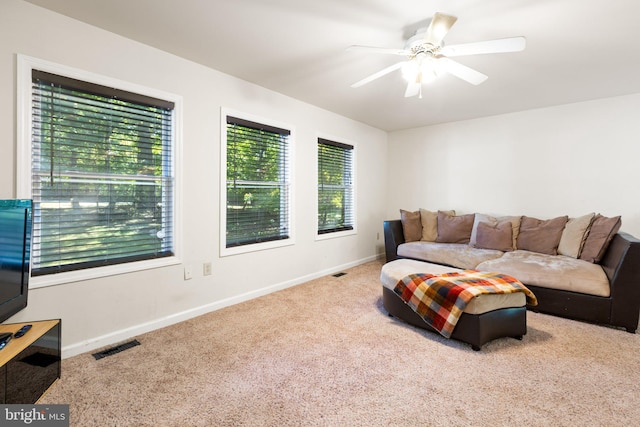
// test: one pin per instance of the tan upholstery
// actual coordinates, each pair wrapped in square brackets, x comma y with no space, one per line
[458,255]
[551,271]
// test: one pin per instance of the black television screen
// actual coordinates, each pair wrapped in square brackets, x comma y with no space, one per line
[15,254]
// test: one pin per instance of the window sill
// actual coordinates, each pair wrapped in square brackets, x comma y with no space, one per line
[335,235]
[254,247]
[96,273]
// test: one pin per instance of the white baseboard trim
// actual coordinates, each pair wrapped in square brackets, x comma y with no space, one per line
[128,333]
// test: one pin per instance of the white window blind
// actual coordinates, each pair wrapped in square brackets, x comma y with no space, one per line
[102,175]
[257,183]
[335,186]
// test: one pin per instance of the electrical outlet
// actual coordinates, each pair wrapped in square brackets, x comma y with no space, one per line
[377,236]
[206,269]
[188,272]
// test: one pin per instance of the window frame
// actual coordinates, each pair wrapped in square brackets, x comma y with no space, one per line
[24,162]
[270,244]
[340,233]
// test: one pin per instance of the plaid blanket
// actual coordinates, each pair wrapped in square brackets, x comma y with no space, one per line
[440,300]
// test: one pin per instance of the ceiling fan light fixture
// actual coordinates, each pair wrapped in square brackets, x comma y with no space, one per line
[421,69]
[410,70]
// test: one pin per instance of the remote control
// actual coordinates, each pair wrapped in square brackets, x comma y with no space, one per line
[22,331]
[4,339]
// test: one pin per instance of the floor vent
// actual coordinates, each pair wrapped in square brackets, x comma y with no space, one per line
[339,274]
[117,349]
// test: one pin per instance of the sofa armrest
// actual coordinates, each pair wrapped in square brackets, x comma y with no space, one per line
[393,237]
[621,263]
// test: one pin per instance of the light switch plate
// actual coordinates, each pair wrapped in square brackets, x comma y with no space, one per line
[188,272]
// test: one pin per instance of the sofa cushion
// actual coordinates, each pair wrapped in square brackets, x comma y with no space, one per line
[515,226]
[429,220]
[458,255]
[454,229]
[495,236]
[411,225]
[394,271]
[541,236]
[551,271]
[600,235]
[574,235]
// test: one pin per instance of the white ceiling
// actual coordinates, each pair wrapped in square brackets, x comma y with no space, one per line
[576,49]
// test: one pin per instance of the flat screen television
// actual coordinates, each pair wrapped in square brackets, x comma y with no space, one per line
[15,255]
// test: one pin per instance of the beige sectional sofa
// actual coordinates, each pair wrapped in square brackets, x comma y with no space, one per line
[581,268]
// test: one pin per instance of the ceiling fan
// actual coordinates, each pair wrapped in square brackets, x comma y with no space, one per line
[428,57]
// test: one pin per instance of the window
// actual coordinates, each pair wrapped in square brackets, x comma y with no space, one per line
[335,187]
[257,184]
[102,175]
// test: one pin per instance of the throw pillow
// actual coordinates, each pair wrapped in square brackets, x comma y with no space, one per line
[429,221]
[476,221]
[600,235]
[411,226]
[496,236]
[542,236]
[574,235]
[515,226]
[454,229]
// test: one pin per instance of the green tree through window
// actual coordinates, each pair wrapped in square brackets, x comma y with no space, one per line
[257,183]
[335,186]
[102,175]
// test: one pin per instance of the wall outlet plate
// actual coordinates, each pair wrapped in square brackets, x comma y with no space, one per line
[206,269]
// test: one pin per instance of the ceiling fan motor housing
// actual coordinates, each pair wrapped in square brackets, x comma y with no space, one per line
[417,44]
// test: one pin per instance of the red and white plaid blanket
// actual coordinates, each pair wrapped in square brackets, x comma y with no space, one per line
[440,300]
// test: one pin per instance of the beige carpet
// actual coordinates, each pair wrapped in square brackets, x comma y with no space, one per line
[325,353]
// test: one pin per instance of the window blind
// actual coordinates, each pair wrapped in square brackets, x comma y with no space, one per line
[102,175]
[257,183]
[335,186]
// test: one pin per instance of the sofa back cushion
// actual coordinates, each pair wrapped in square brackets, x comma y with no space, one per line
[454,229]
[600,235]
[575,235]
[429,221]
[495,236]
[411,225]
[542,236]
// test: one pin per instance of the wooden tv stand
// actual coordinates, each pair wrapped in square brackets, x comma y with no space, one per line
[29,365]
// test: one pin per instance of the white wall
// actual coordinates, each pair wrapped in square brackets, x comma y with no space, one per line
[102,311]
[570,159]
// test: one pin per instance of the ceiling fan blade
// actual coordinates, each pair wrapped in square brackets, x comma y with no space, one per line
[377,75]
[383,50]
[512,44]
[462,71]
[413,89]
[438,28]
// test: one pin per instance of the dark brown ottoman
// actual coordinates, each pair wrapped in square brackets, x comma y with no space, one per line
[486,318]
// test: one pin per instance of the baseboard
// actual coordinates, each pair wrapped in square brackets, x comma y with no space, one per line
[128,333]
